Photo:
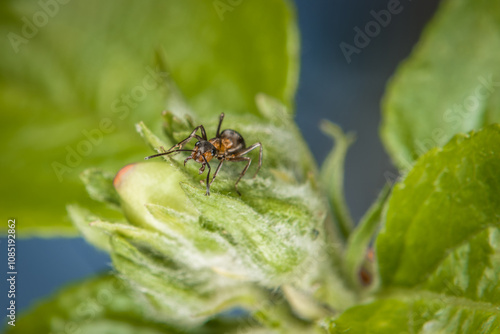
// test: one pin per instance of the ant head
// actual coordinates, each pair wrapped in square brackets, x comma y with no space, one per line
[203,148]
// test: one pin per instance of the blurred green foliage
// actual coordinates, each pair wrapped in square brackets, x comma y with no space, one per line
[104,305]
[436,266]
[439,252]
[76,75]
[449,85]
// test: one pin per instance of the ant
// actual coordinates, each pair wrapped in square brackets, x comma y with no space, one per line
[227,145]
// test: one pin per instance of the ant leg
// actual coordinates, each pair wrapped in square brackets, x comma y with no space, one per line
[220,123]
[166,153]
[254,146]
[243,171]
[208,174]
[202,169]
[187,159]
[203,133]
[193,134]
[217,171]
[208,178]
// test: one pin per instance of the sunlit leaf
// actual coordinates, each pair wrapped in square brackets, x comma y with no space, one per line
[449,85]
[75,76]
[107,305]
[439,252]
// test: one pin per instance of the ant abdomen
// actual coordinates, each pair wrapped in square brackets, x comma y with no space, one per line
[231,141]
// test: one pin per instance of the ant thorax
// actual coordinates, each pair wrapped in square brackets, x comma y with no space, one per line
[229,141]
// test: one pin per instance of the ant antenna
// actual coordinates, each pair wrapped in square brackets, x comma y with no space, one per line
[165,153]
[220,123]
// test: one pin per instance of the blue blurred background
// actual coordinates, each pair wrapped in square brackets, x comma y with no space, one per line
[348,94]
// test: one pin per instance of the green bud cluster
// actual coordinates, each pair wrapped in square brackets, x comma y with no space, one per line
[192,256]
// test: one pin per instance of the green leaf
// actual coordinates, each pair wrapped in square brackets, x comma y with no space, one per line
[99,185]
[102,305]
[71,89]
[376,318]
[332,176]
[440,91]
[107,305]
[360,239]
[82,219]
[449,197]
[276,315]
[418,316]
[439,251]
[186,298]
[274,245]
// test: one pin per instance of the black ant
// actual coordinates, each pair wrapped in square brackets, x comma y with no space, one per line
[227,145]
